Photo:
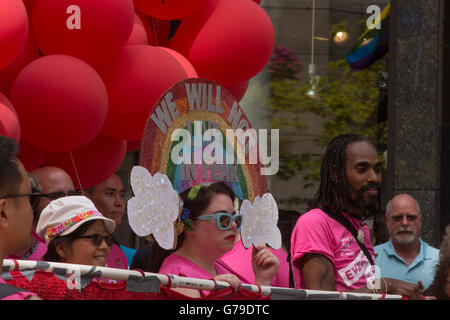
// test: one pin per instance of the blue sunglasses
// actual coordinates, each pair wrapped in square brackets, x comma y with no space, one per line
[224,220]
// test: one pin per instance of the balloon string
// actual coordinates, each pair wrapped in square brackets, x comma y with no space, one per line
[154,30]
[76,171]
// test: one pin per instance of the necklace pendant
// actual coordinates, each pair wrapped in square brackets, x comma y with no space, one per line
[360,236]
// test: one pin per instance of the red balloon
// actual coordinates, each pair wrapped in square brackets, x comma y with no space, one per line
[4,100]
[94,163]
[157,30]
[30,156]
[9,124]
[133,145]
[13,30]
[169,9]
[135,80]
[90,30]
[29,53]
[138,34]
[61,101]
[189,28]
[233,50]
[190,71]
[237,89]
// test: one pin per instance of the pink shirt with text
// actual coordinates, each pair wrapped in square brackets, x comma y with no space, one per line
[316,232]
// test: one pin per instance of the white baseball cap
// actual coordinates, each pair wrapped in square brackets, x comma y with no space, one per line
[65,215]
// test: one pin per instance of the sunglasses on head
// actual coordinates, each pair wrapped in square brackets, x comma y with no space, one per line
[224,220]
[97,239]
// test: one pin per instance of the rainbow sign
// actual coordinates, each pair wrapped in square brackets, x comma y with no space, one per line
[197,105]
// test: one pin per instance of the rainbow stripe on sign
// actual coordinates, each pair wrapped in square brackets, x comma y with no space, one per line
[189,101]
[55,231]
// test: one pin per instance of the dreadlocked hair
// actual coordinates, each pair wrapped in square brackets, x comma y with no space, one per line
[332,195]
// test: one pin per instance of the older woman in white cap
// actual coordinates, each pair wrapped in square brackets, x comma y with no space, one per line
[75,232]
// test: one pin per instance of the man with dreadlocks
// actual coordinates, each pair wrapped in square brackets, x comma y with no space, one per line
[330,244]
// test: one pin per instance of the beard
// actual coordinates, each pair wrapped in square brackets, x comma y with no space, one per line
[404,236]
[370,204]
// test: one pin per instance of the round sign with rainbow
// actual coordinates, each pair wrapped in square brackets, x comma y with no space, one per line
[197,133]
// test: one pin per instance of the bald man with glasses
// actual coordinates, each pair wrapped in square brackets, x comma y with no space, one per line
[406,256]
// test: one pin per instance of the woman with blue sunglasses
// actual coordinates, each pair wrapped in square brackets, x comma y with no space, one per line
[209,228]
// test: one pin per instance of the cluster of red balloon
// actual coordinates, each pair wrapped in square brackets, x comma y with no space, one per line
[78,78]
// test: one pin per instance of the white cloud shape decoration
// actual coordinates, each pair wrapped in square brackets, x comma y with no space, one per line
[260,222]
[154,207]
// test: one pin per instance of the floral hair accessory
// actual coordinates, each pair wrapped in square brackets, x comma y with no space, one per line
[154,207]
[184,223]
[259,225]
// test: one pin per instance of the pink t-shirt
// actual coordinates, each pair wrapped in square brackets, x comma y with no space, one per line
[117,258]
[178,265]
[240,261]
[316,232]
[35,253]
[18,296]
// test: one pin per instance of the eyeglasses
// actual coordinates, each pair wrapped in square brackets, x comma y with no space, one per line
[224,220]
[60,194]
[34,197]
[97,239]
[409,217]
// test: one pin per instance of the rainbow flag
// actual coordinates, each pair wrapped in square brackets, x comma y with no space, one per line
[371,45]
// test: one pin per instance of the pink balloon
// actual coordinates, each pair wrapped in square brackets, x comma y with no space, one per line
[233,50]
[90,30]
[13,30]
[94,163]
[135,80]
[61,102]
[9,124]
[30,156]
[29,53]
[237,89]
[190,71]
[169,9]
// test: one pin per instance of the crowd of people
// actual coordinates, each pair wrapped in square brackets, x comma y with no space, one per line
[44,218]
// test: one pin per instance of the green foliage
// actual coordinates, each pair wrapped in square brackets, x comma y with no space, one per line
[348,103]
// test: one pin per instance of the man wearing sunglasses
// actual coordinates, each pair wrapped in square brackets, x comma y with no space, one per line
[406,256]
[16,214]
